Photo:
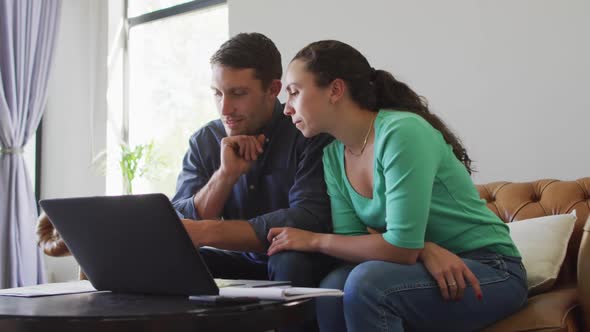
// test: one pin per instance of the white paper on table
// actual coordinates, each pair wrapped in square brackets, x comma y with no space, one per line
[82,286]
[278,293]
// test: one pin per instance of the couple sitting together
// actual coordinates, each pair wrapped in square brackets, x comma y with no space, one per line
[351,184]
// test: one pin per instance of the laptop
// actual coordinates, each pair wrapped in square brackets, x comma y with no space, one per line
[135,244]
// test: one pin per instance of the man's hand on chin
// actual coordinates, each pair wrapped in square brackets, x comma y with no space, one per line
[239,153]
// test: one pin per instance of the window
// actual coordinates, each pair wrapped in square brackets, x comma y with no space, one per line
[169,77]
[141,7]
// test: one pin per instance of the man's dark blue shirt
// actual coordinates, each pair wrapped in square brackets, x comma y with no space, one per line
[284,188]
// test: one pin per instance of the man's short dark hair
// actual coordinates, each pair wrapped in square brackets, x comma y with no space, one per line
[251,50]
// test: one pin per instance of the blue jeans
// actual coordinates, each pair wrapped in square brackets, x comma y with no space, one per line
[302,269]
[382,296]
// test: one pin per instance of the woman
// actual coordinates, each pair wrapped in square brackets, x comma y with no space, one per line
[396,168]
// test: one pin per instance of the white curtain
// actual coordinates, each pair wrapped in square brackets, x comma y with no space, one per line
[28,31]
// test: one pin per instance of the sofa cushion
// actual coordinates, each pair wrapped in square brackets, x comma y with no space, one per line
[542,242]
[551,311]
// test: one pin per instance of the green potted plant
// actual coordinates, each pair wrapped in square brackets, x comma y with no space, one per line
[136,162]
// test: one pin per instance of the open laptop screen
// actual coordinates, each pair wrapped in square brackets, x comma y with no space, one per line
[132,244]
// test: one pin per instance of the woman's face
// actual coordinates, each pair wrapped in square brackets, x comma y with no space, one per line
[307,104]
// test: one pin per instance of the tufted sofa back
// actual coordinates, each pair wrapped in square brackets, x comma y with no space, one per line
[513,201]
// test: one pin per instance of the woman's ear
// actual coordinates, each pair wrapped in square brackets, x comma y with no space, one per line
[337,89]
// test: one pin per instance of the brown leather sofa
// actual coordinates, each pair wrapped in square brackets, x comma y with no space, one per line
[563,308]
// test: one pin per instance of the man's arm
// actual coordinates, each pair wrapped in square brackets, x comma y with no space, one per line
[309,209]
[245,235]
[195,173]
[200,196]
[238,153]
[209,201]
[309,204]
[235,235]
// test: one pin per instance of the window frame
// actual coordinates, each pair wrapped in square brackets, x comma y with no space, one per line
[170,11]
[131,22]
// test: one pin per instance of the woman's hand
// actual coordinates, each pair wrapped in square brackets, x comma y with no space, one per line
[287,238]
[450,272]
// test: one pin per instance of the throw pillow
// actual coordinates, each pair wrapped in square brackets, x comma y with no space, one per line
[542,243]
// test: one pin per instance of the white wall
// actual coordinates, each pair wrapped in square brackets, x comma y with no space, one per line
[76,96]
[510,77]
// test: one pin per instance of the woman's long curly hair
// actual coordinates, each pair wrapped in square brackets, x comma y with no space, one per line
[372,89]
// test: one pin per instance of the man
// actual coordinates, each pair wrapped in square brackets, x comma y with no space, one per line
[252,170]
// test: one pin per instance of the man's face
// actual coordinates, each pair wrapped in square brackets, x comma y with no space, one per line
[244,106]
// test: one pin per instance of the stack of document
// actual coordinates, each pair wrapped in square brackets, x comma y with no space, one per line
[82,286]
[278,293]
